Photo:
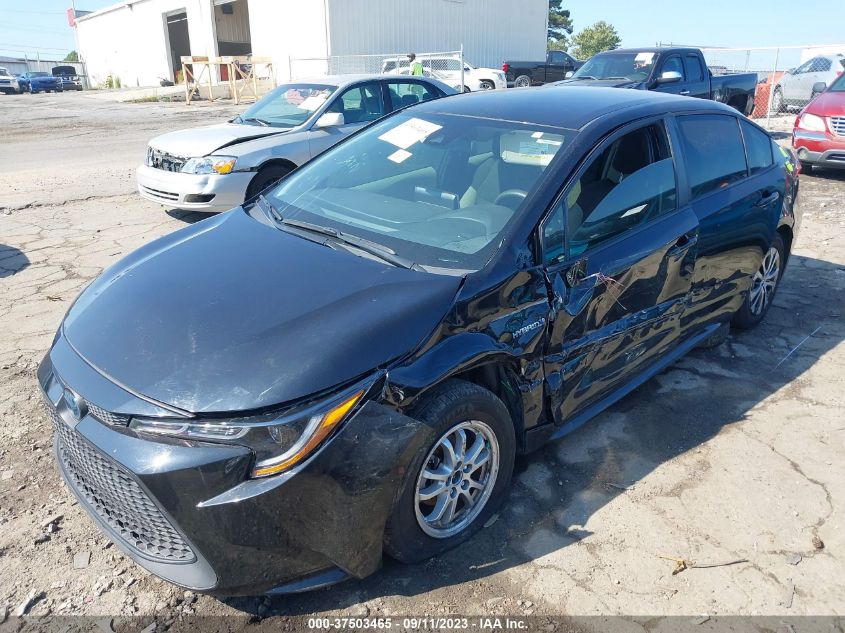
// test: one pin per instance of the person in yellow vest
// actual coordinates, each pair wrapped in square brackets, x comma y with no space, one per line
[416,67]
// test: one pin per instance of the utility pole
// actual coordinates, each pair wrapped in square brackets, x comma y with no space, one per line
[79,52]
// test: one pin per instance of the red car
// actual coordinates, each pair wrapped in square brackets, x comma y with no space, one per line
[818,136]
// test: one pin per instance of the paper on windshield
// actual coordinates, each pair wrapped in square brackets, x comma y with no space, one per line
[644,57]
[399,155]
[313,102]
[409,132]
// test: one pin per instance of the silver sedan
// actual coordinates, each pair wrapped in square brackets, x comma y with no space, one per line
[217,167]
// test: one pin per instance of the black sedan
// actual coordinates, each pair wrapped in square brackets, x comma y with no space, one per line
[346,366]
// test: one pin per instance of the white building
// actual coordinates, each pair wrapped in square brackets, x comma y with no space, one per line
[141,41]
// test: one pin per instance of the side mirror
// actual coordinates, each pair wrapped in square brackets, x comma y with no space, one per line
[669,77]
[330,119]
[819,87]
[568,74]
[791,71]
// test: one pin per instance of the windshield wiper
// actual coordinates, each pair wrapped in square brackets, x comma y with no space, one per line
[261,122]
[381,251]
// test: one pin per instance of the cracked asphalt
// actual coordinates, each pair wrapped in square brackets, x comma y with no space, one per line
[732,454]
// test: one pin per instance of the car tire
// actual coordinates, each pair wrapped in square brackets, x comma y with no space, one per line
[764,286]
[453,408]
[806,167]
[266,177]
[523,81]
[777,101]
[486,84]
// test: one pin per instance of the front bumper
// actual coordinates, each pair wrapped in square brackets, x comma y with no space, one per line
[210,193]
[819,148]
[188,513]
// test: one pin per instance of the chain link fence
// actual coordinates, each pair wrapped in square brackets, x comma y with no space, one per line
[788,77]
[448,66]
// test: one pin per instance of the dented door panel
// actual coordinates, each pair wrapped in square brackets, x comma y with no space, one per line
[607,331]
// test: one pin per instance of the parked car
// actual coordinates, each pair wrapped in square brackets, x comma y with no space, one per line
[818,135]
[674,70]
[37,81]
[217,167]
[69,77]
[8,82]
[448,70]
[268,400]
[557,66]
[799,86]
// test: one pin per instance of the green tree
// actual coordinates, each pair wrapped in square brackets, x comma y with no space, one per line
[599,37]
[560,26]
[72,56]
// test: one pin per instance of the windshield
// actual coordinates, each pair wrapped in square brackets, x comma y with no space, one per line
[632,66]
[38,74]
[838,85]
[437,190]
[287,106]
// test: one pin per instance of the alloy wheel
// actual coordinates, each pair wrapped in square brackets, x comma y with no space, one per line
[765,282]
[457,479]
[522,82]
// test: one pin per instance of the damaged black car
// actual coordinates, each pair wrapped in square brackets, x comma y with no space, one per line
[346,366]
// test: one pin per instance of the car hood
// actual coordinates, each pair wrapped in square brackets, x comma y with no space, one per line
[231,315]
[201,141]
[828,104]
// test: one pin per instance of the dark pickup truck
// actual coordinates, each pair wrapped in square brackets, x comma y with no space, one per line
[556,67]
[680,71]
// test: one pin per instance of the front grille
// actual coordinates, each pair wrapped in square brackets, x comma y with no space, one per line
[117,499]
[168,196]
[837,124]
[158,159]
[108,417]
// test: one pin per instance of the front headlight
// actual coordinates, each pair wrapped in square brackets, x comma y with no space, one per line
[279,441]
[209,165]
[811,122]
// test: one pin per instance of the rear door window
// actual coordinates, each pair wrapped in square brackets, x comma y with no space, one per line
[695,72]
[758,146]
[713,151]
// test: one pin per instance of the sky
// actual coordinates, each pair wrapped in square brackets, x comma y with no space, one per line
[32,26]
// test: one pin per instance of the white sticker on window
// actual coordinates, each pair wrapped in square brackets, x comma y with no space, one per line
[409,132]
[644,57]
[634,211]
[313,102]
[399,155]
[537,135]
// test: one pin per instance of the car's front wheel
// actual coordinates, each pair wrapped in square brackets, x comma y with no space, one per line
[458,480]
[764,285]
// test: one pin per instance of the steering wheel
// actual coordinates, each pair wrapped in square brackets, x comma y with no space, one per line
[519,194]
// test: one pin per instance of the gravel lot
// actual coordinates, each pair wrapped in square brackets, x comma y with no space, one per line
[731,454]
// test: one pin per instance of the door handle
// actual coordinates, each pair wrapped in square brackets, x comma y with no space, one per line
[684,243]
[684,92]
[767,199]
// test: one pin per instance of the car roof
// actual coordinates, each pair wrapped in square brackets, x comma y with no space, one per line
[570,107]
[341,80]
[650,49]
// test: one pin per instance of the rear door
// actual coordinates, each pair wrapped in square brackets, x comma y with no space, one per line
[406,92]
[619,253]
[559,63]
[360,104]
[698,76]
[733,197]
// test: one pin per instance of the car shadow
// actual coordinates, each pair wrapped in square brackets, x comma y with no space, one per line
[557,489]
[12,260]
[188,217]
